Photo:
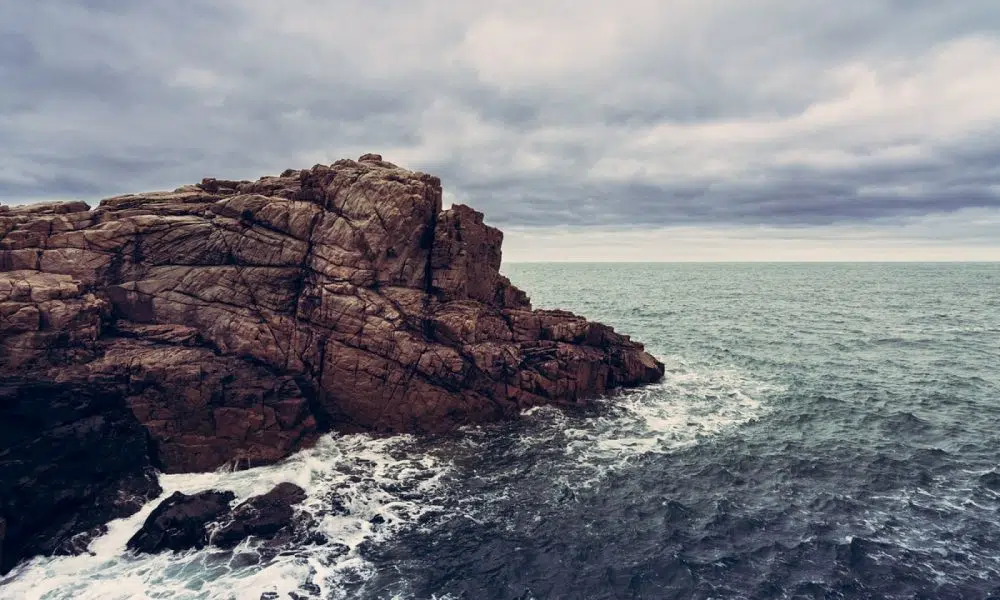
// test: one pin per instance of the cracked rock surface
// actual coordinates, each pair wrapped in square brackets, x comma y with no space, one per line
[236,320]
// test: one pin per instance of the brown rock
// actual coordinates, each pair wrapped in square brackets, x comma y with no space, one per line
[46,318]
[347,279]
[235,320]
[466,261]
[204,411]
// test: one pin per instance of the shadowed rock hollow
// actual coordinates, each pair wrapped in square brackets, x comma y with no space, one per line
[235,320]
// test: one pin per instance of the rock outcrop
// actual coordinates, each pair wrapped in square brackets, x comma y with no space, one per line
[183,522]
[235,320]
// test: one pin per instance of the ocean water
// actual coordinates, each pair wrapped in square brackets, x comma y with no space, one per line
[823,431]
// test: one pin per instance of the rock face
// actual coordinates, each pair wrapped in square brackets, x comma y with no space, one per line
[201,408]
[236,320]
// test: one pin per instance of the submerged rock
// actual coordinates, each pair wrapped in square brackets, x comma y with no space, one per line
[231,322]
[180,522]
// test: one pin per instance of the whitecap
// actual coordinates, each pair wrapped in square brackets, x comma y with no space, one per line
[690,404]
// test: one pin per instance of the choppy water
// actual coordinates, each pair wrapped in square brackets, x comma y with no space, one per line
[823,431]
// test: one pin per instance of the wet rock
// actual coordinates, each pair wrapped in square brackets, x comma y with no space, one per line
[309,591]
[338,506]
[244,559]
[333,552]
[80,543]
[261,516]
[180,522]
[314,538]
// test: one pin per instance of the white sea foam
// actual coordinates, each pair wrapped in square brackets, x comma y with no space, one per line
[369,475]
[690,404]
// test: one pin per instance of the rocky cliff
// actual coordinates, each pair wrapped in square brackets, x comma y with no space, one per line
[230,322]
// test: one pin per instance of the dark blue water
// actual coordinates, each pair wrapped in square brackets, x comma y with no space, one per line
[823,431]
[865,471]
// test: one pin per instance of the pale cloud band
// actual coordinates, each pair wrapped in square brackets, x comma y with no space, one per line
[966,235]
[725,117]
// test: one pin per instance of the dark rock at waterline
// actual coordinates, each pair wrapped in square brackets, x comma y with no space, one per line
[261,516]
[183,522]
[180,522]
[310,590]
[80,543]
[72,457]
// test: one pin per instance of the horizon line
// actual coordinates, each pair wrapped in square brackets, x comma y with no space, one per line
[678,262]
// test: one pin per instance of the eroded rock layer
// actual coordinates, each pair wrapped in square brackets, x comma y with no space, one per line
[236,320]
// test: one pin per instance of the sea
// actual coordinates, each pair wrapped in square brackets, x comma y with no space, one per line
[823,431]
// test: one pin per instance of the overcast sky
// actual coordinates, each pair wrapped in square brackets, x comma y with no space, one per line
[624,130]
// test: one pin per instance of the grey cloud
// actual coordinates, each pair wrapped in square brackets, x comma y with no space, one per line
[104,97]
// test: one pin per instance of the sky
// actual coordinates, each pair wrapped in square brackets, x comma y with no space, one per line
[661,130]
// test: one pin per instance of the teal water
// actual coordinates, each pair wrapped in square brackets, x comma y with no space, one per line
[890,342]
[822,431]
[881,424]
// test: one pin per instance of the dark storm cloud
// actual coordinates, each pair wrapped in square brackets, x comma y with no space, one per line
[641,112]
